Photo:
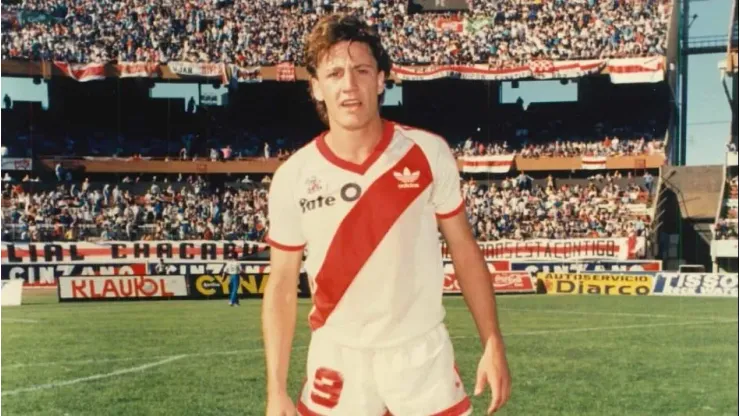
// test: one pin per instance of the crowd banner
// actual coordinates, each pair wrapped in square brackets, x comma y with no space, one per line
[138,69]
[114,252]
[199,69]
[559,250]
[17,163]
[239,74]
[11,292]
[696,284]
[535,267]
[487,164]
[121,287]
[593,162]
[285,72]
[82,72]
[47,275]
[619,284]
[636,70]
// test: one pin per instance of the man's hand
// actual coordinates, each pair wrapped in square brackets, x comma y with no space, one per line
[280,404]
[494,370]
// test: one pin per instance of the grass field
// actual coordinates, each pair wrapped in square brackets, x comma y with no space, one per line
[569,355]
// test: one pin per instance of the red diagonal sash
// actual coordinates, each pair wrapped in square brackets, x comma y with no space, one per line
[363,229]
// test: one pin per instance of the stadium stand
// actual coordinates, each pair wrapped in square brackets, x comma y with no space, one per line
[262,32]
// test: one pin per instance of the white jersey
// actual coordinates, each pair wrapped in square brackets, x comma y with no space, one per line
[232,267]
[373,256]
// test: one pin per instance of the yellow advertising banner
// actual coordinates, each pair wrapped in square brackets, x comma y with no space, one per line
[596,284]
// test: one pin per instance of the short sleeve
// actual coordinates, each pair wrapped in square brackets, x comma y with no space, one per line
[446,195]
[285,230]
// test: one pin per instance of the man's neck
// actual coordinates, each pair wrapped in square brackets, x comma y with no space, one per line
[355,146]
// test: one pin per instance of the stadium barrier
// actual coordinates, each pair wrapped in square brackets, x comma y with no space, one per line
[696,284]
[11,292]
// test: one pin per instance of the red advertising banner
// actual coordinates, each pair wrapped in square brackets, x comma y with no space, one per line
[502,279]
[121,287]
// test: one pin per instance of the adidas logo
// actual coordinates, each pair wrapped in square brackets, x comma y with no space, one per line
[407,179]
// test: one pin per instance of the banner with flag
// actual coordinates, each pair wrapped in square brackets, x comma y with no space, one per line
[487,164]
[593,162]
[82,72]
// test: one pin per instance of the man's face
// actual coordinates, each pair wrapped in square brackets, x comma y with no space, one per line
[348,82]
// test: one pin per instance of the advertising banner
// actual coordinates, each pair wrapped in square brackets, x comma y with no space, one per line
[11,292]
[38,275]
[696,284]
[251,285]
[121,287]
[115,252]
[544,249]
[535,267]
[596,284]
[503,280]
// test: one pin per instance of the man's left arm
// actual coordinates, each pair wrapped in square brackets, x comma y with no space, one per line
[474,278]
[475,282]
[472,274]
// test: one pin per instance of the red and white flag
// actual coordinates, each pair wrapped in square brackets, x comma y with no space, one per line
[487,164]
[82,72]
[636,70]
[593,162]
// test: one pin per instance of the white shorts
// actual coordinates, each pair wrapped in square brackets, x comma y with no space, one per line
[417,378]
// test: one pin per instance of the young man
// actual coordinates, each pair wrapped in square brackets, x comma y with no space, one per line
[366,199]
[232,268]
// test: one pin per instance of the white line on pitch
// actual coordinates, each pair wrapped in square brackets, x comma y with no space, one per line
[27,321]
[123,359]
[93,377]
[604,328]
[566,312]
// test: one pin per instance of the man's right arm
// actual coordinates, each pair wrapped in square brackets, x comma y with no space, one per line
[279,304]
[279,309]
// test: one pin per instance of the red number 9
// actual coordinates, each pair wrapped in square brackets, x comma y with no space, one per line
[327,386]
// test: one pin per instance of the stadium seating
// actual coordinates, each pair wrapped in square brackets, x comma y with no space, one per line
[267,32]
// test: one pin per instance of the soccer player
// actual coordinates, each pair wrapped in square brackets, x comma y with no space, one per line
[233,269]
[366,198]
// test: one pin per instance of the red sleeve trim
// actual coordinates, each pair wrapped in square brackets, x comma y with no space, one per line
[277,245]
[453,212]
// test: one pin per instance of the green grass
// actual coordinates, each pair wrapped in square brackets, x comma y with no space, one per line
[663,356]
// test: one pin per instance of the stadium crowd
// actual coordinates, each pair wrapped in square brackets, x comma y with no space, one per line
[613,146]
[75,212]
[512,209]
[727,226]
[515,209]
[267,32]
